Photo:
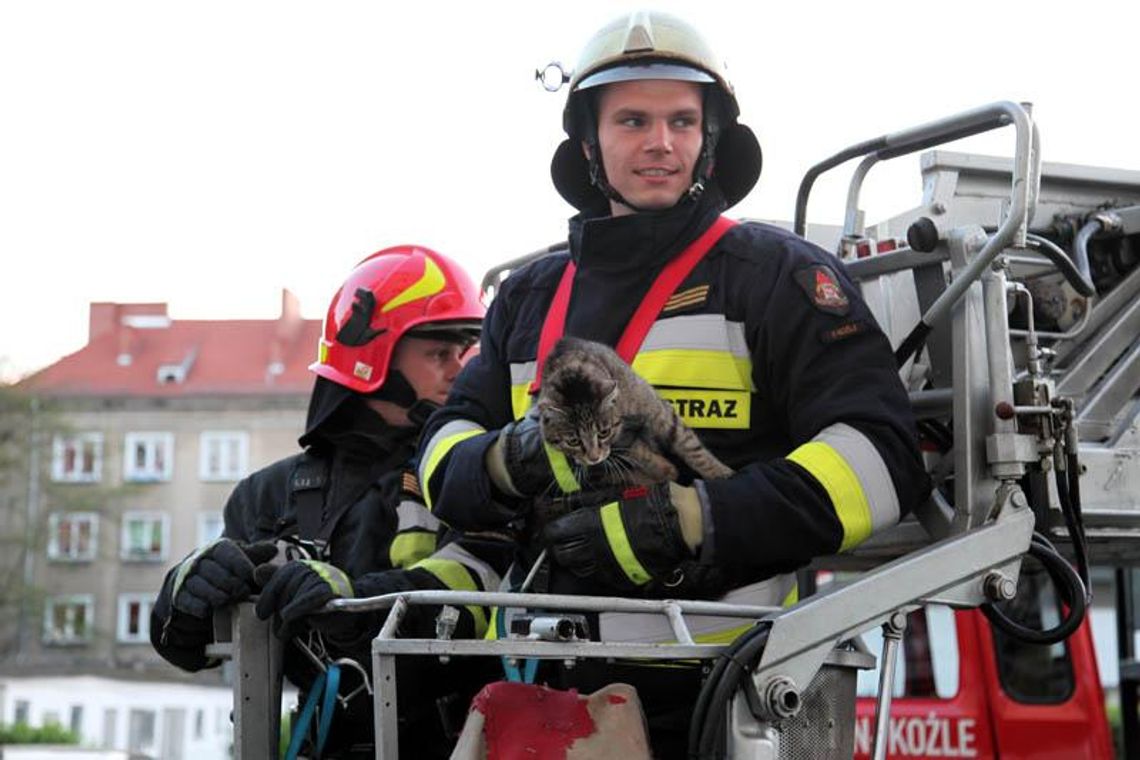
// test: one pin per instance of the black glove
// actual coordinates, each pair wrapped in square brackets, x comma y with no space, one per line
[296,590]
[217,575]
[620,539]
[531,466]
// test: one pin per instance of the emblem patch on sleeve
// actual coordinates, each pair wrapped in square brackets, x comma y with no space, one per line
[822,287]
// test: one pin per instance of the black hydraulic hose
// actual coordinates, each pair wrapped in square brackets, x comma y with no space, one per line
[1068,584]
[912,343]
[707,724]
[1081,244]
[1068,487]
[1076,274]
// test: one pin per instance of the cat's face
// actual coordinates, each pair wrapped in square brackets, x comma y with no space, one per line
[578,412]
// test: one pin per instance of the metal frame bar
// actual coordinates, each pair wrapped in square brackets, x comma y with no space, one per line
[257,656]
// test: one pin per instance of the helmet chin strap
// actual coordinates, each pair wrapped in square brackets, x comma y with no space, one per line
[400,392]
[419,412]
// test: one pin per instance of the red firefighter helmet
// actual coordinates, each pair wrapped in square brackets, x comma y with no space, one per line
[396,291]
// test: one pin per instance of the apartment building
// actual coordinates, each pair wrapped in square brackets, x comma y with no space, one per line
[141,435]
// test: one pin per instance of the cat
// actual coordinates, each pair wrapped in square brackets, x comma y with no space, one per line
[609,421]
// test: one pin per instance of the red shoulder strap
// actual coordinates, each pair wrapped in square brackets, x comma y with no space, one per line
[646,314]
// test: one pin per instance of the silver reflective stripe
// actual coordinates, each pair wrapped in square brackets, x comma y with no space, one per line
[864,460]
[440,443]
[705,332]
[412,514]
[644,628]
[487,576]
[522,372]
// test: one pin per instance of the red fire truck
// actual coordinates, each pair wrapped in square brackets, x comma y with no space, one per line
[967,690]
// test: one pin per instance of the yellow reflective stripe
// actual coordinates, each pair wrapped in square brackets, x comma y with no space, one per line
[188,564]
[716,409]
[694,368]
[842,486]
[874,476]
[491,634]
[438,448]
[334,576]
[409,548]
[520,399]
[726,636]
[431,282]
[793,596]
[619,544]
[560,466]
[456,577]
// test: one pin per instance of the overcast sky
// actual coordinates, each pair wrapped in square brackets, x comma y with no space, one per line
[209,154]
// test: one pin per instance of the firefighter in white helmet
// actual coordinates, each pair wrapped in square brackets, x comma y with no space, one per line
[758,339]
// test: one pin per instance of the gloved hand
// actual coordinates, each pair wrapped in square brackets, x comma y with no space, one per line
[634,537]
[217,575]
[296,590]
[521,464]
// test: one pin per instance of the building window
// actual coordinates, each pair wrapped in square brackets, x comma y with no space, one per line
[210,527]
[23,711]
[134,618]
[140,730]
[72,536]
[223,455]
[145,536]
[76,722]
[110,718]
[77,458]
[148,456]
[67,619]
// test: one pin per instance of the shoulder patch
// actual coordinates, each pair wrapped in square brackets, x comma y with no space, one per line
[410,485]
[823,290]
[685,299]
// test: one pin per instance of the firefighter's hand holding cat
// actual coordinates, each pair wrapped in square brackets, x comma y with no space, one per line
[518,463]
[625,538]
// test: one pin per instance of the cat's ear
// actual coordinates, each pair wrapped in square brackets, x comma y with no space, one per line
[547,408]
[611,396]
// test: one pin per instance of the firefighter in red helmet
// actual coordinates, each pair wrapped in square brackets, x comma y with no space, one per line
[343,517]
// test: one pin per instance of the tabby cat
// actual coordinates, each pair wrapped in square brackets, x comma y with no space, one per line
[601,415]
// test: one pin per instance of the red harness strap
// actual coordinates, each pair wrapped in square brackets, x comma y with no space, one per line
[663,287]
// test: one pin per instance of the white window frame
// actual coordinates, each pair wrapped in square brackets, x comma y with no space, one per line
[57,553]
[227,471]
[149,472]
[125,551]
[204,519]
[145,603]
[68,637]
[59,447]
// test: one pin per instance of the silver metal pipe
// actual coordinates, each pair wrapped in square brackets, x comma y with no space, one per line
[892,634]
[677,621]
[998,361]
[548,602]
[392,622]
[851,215]
[1026,174]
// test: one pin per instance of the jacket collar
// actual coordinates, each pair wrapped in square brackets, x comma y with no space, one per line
[621,243]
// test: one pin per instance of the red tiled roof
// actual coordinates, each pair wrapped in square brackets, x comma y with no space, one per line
[219,356]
